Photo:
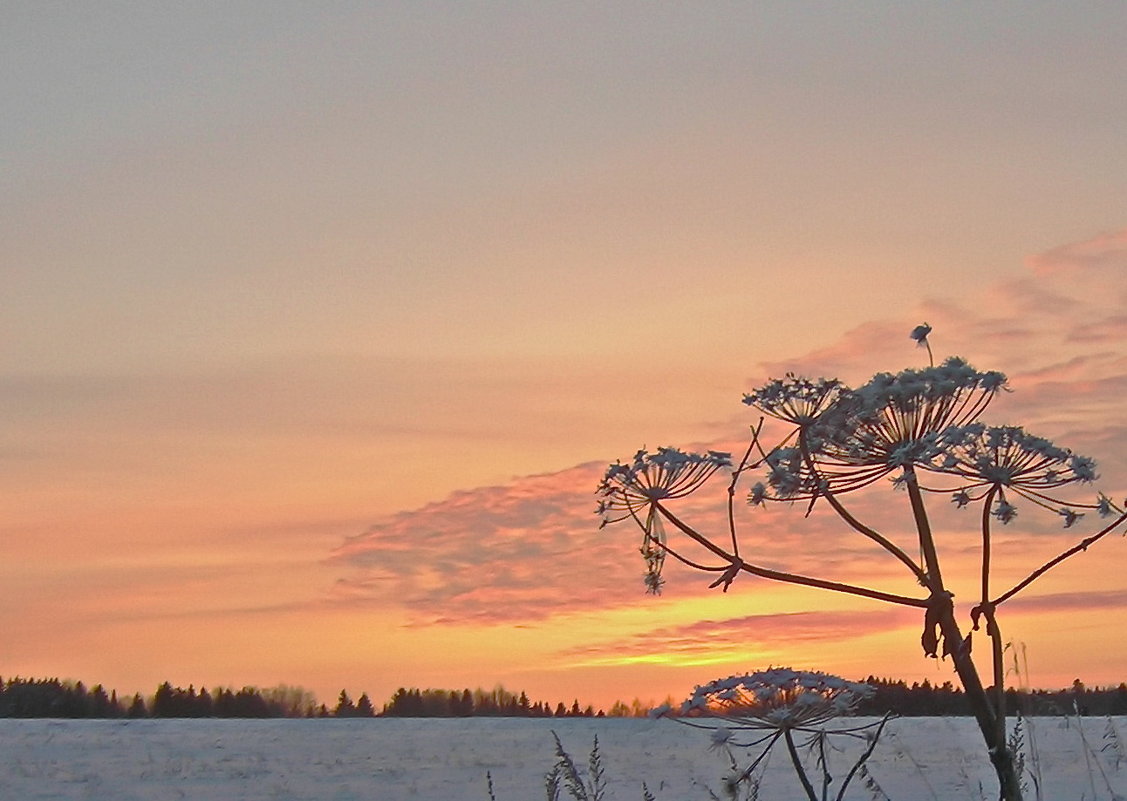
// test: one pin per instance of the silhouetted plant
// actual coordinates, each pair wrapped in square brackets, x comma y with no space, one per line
[919,429]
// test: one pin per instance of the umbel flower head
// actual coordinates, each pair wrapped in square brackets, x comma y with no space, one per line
[1007,458]
[920,332]
[628,490]
[849,438]
[631,490]
[778,698]
[794,399]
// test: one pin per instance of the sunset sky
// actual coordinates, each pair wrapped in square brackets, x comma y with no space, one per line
[322,321]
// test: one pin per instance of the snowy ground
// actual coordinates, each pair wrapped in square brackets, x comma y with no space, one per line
[929,759]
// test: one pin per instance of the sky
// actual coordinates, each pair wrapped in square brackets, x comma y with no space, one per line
[322,321]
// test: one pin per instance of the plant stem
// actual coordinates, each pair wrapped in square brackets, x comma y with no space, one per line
[984,714]
[923,528]
[992,629]
[995,634]
[986,504]
[797,761]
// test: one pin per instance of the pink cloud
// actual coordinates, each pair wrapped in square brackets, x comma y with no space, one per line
[513,552]
[1106,250]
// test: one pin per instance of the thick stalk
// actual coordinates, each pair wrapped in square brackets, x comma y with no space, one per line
[995,634]
[923,527]
[992,629]
[960,651]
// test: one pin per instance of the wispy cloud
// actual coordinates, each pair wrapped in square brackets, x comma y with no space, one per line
[719,640]
[1108,250]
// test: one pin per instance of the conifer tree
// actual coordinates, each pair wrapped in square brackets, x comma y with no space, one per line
[345,708]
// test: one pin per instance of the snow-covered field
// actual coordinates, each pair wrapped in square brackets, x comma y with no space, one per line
[929,759]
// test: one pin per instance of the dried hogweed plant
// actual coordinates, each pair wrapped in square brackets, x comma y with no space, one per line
[759,710]
[918,429]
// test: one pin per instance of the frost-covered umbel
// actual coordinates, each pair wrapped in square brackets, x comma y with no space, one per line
[920,420]
[776,698]
[780,705]
[631,490]
[853,437]
[628,489]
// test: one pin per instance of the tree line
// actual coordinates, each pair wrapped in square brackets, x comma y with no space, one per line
[498,702]
[52,698]
[923,699]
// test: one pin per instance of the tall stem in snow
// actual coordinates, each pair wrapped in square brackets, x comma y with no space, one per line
[988,611]
[993,729]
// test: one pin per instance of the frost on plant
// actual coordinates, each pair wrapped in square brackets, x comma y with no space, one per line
[918,430]
[775,699]
[629,491]
[781,706]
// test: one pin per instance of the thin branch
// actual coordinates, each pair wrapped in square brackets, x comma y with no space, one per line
[732,487]
[856,524]
[689,562]
[864,757]
[1080,546]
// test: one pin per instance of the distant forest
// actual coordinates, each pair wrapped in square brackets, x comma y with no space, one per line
[52,698]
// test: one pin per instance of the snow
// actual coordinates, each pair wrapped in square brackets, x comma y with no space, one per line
[920,759]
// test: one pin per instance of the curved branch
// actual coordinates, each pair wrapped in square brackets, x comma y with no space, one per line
[689,562]
[790,578]
[735,480]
